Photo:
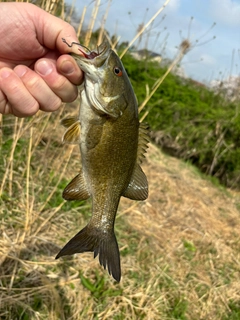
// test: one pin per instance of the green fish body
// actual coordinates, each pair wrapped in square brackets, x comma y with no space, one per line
[112,144]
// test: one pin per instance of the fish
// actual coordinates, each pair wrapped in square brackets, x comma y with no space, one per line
[112,144]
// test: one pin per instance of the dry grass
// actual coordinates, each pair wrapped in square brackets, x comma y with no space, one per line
[192,230]
[179,249]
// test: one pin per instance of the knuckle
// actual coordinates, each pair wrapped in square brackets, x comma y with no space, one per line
[30,110]
[23,109]
[52,105]
[5,106]
[70,95]
[65,90]
[33,83]
[55,106]
[60,85]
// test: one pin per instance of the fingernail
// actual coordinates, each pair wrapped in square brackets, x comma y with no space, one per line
[67,67]
[20,71]
[4,73]
[44,68]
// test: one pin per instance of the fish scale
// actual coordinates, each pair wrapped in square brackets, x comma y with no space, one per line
[112,146]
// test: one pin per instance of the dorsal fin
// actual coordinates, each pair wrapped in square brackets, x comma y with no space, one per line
[72,135]
[143,139]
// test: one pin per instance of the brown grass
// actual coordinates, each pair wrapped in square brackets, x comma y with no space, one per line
[192,230]
[179,249]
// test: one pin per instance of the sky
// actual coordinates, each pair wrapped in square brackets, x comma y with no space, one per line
[215,50]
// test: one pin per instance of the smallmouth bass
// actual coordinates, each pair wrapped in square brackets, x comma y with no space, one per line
[112,146]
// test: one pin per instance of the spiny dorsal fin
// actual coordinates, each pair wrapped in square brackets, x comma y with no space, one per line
[67,122]
[72,135]
[138,185]
[76,189]
[143,139]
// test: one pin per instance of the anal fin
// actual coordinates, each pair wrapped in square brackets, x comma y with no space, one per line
[76,189]
[138,185]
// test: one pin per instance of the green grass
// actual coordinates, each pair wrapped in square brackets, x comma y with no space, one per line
[179,249]
[234,311]
[195,123]
[162,276]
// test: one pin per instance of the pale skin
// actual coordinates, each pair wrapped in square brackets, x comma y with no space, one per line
[35,70]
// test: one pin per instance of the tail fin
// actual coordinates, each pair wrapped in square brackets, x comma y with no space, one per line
[104,244]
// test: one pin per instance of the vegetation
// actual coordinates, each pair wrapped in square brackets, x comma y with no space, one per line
[179,249]
[190,121]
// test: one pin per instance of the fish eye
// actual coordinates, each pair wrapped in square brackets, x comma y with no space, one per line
[118,71]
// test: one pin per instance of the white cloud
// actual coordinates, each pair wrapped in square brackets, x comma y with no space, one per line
[225,11]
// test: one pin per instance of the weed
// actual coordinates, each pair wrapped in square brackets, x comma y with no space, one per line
[234,311]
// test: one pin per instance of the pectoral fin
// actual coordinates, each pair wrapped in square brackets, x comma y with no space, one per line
[67,122]
[72,135]
[138,186]
[76,189]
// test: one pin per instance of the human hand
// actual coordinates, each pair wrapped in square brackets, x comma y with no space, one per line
[34,71]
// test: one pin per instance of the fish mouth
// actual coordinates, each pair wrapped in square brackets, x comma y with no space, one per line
[90,54]
[100,54]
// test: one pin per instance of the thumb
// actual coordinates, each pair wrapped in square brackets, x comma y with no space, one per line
[50,31]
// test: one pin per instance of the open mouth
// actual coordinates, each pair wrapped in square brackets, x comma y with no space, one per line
[90,55]
[87,53]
